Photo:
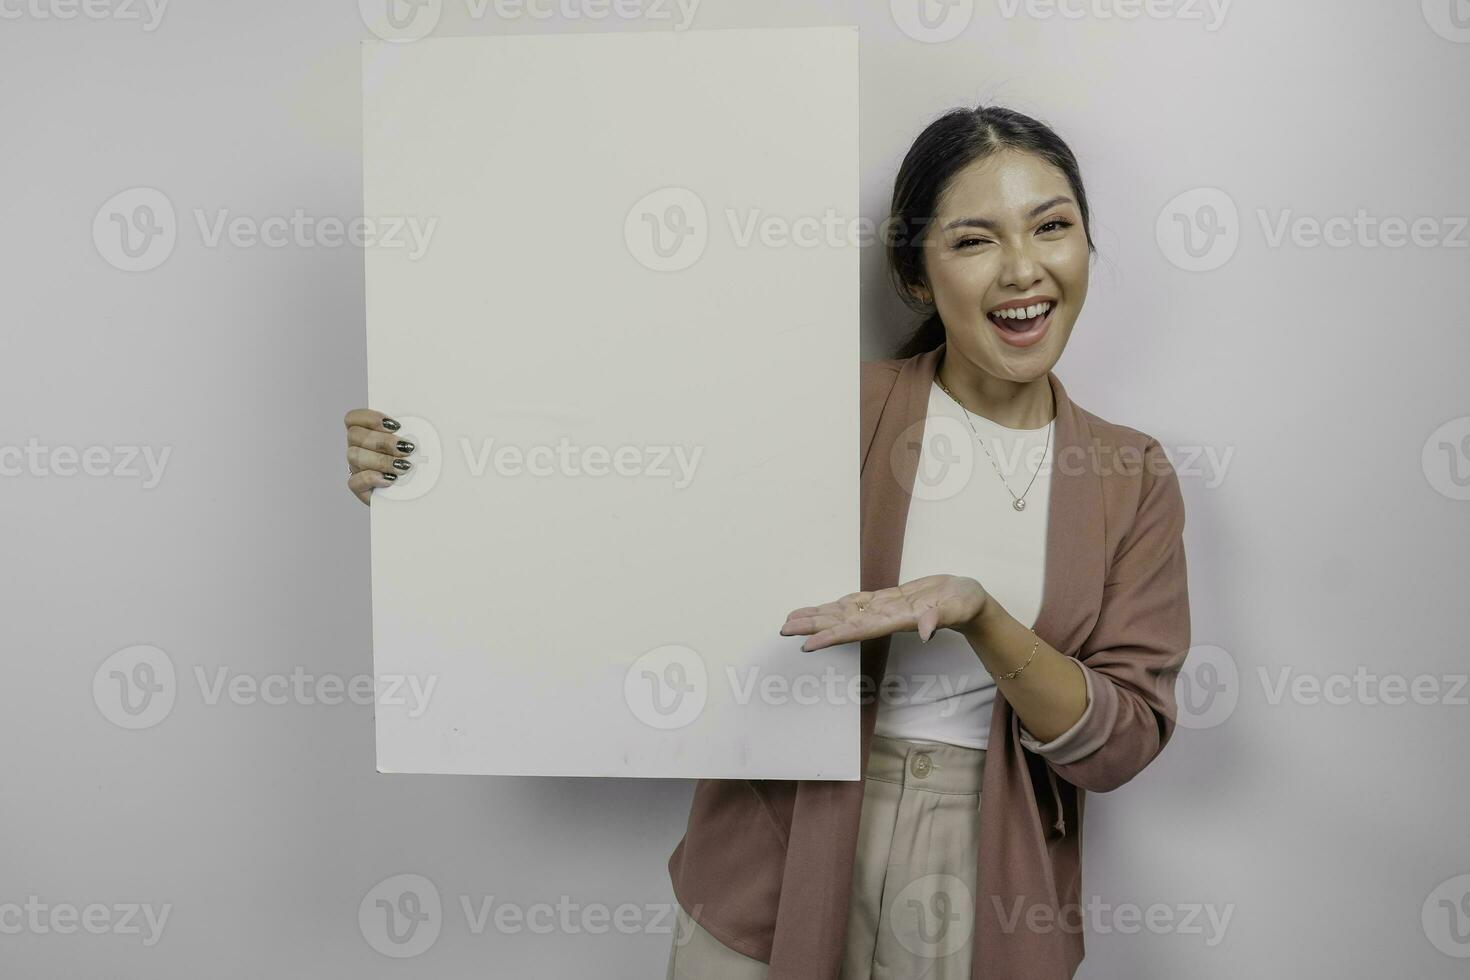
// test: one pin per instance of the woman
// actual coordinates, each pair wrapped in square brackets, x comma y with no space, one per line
[1025,608]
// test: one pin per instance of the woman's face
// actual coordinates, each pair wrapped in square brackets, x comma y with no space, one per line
[1008,229]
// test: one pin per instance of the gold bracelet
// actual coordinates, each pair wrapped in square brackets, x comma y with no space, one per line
[1012,673]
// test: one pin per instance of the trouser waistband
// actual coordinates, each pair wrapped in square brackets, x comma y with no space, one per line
[934,766]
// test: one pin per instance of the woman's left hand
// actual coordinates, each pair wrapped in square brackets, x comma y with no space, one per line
[924,605]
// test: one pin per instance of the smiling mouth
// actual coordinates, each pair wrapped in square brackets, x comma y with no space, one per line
[1016,321]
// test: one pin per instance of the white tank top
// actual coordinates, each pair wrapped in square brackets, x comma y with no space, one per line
[962,521]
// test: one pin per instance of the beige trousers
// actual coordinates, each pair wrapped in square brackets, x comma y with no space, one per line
[913,888]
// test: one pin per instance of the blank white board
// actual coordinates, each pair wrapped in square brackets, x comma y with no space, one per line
[620,321]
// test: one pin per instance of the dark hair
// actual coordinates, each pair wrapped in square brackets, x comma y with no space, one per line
[946,146]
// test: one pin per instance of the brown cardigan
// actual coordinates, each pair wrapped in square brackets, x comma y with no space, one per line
[766,865]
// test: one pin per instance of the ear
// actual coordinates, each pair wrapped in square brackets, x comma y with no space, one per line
[921,293]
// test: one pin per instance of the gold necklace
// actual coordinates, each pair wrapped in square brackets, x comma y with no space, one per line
[1019,503]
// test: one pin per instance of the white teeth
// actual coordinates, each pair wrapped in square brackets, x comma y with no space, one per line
[1024,313]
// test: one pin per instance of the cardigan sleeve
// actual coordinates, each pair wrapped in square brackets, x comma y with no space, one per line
[1063,748]
[1137,646]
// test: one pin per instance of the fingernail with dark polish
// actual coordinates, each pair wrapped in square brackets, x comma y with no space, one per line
[405,447]
[390,477]
[401,464]
[391,425]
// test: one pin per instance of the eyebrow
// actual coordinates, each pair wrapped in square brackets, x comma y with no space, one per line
[987,223]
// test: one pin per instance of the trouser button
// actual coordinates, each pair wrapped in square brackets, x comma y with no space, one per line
[921,765]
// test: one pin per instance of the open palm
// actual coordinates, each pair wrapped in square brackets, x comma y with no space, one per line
[924,605]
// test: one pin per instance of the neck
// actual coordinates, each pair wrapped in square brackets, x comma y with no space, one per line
[1014,404]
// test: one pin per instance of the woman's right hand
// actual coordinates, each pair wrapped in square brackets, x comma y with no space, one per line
[374,453]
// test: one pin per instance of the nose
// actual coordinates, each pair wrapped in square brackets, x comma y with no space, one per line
[1019,268]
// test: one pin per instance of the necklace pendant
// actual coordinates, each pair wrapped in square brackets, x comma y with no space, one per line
[1019,504]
